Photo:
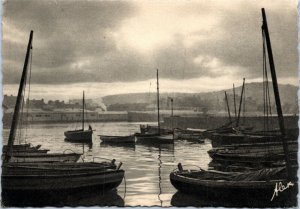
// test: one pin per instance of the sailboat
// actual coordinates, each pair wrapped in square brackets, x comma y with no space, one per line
[156,137]
[80,135]
[264,184]
[20,180]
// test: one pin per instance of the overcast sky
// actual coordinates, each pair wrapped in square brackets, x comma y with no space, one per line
[107,47]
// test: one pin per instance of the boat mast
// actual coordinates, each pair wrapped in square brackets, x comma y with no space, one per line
[83,111]
[15,119]
[158,118]
[228,110]
[276,91]
[171,99]
[234,102]
[240,107]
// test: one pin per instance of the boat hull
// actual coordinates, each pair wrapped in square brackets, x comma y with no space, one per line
[79,136]
[259,190]
[117,139]
[45,178]
[56,185]
[154,139]
[99,180]
[44,157]
[190,135]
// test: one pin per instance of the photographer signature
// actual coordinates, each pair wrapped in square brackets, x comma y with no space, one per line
[279,187]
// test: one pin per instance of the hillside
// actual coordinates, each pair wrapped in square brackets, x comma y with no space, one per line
[211,101]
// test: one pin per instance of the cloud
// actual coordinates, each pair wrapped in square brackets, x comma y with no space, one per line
[125,41]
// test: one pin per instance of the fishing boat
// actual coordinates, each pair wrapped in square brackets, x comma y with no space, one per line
[117,139]
[80,135]
[22,179]
[257,185]
[253,153]
[156,137]
[36,157]
[262,184]
[43,180]
[153,129]
[25,148]
[194,135]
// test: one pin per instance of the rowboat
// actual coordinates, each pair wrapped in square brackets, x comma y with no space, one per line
[117,139]
[19,179]
[35,168]
[22,147]
[221,139]
[79,135]
[44,157]
[26,150]
[216,184]
[190,135]
[153,129]
[154,138]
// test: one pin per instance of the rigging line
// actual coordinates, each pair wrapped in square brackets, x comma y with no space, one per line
[20,119]
[263,84]
[244,107]
[268,100]
[28,95]
[267,97]
[269,110]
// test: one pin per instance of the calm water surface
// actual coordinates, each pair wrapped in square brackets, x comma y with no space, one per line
[147,168]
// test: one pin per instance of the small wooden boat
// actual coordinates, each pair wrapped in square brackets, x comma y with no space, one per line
[22,147]
[80,135]
[150,129]
[20,179]
[59,166]
[229,184]
[25,148]
[154,138]
[44,157]
[190,135]
[117,139]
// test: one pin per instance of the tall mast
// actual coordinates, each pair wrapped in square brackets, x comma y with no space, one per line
[83,111]
[158,118]
[240,107]
[172,111]
[15,119]
[234,102]
[276,91]
[228,110]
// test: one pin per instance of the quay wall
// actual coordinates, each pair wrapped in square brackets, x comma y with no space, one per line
[257,122]
[66,117]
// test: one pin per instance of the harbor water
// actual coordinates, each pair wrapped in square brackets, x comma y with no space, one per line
[147,168]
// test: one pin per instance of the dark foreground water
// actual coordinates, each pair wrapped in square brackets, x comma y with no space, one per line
[147,168]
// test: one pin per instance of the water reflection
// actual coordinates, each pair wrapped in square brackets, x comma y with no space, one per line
[195,200]
[130,146]
[88,198]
